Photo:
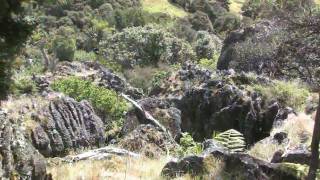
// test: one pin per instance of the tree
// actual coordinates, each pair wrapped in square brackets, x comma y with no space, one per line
[15,28]
[299,57]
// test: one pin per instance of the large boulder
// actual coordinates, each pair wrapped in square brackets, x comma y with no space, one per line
[149,141]
[65,125]
[18,158]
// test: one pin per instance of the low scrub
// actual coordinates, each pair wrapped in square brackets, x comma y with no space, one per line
[286,93]
[104,100]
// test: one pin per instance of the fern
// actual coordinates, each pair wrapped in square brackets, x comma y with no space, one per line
[232,139]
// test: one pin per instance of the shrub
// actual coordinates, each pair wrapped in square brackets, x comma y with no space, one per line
[232,139]
[64,44]
[158,77]
[188,145]
[81,55]
[131,17]
[64,48]
[207,45]
[104,100]
[210,64]
[147,45]
[286,93]
[23,85]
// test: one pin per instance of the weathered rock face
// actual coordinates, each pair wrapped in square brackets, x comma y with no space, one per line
[19,159]
[161,110]
[299,155]
[91,71]
[66,125]
[249,49]
[148,140]
[216,104]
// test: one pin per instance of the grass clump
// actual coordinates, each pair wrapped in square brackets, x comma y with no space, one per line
[286,93]
[104,100]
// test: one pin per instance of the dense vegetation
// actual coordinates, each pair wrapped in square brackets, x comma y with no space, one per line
[238,66]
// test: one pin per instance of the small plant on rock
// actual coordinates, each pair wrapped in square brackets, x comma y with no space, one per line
[188,145]
[232,139]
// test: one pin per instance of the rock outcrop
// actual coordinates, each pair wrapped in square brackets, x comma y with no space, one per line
[66,125]
[219,103]
[18,158]
[166,114]
[234,166]
[90,71]
[149,141]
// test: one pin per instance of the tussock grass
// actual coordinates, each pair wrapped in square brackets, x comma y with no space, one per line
[163,6]
[127,168]
[297,127]
[114,168]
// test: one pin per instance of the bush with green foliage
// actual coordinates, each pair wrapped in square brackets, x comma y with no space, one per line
[147,45]
[158,77]
[286,93]
[64,44]
[210,64]
[81,55]
[231,139]
[104,100]
[188,146]
[207,45]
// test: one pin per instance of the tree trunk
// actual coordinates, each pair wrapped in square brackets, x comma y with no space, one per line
[315,146]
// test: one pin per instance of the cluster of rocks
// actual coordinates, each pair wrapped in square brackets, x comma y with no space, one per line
[18,158]
[234,165]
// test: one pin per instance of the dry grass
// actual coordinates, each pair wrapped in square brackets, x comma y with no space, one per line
[114,168]
[235,6]
[126,168]
[22,108]
[163,6]
[296,127]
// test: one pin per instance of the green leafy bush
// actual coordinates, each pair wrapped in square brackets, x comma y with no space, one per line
[188,145]
[158,77]
[147,45]
[286,93]
[232,139]
[81,55]
[210,64]
[64,48]
[104,100]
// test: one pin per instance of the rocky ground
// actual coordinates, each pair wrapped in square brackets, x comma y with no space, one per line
[191,93]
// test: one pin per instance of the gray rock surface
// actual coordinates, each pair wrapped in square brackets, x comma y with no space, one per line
[148,140]
[18,158]
[67,125]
